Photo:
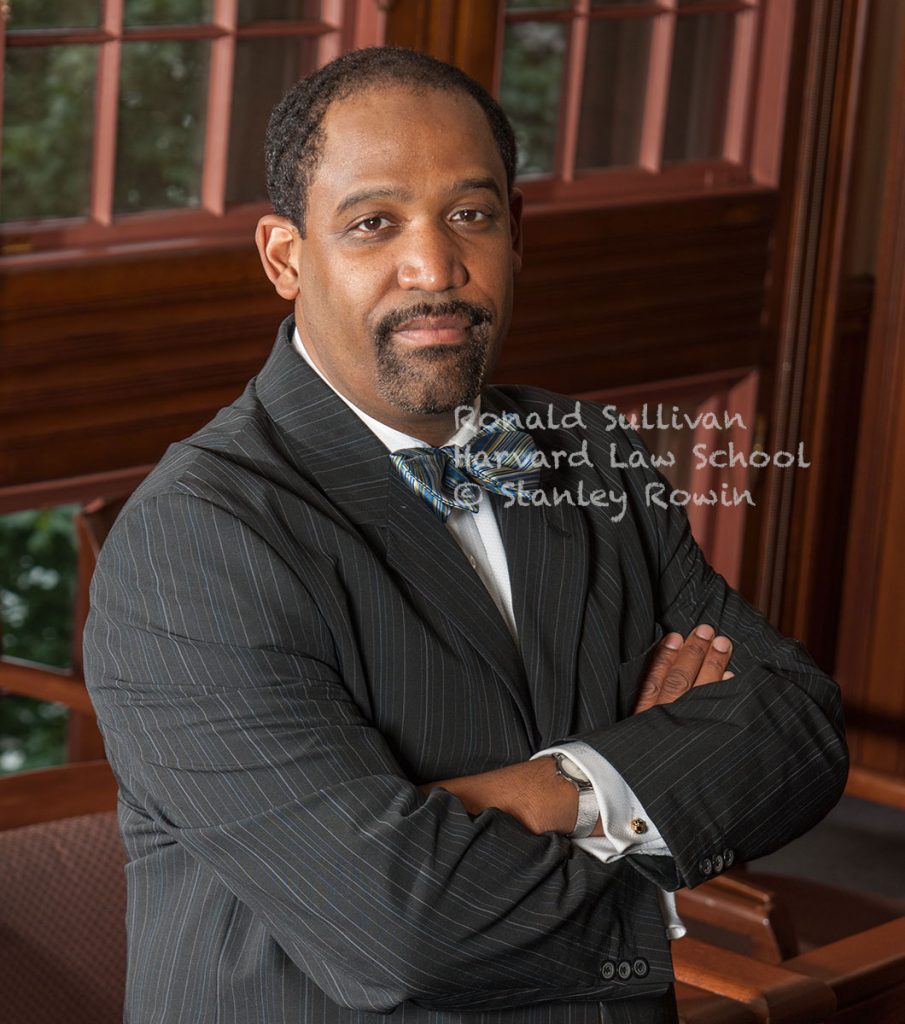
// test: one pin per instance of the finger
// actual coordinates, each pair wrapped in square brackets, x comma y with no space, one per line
[687,664]
[664,655]
[715,662]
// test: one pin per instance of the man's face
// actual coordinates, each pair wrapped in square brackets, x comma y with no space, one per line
[405,272]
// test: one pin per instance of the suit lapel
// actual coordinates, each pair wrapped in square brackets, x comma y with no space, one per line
[547,553]
[422,550]
[331,446]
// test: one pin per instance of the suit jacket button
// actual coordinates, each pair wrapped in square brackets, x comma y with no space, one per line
[706,866]
[729,857]
[608,970]
[640,967]
[717,862]
[624,970]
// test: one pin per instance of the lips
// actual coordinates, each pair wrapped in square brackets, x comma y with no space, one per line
[434,330]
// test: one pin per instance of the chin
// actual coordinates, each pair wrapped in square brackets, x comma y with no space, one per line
[438,385]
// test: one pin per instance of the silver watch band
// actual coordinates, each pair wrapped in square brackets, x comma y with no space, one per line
[588,808]
[588,813]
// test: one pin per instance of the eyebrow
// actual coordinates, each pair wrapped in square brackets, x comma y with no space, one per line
[367,195]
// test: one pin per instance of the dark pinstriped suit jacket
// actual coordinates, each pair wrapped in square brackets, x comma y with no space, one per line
[284,641]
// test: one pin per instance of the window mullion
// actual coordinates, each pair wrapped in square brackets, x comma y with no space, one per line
[570,105]
[106,104]
[4,17]
[364,22]
[329,45]
[219,108]
[658,77]
[738,107]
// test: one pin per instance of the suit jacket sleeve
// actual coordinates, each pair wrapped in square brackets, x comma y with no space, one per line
[740,767]
[230,730]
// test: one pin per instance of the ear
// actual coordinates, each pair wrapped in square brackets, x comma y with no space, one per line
[277,240]
[516,204]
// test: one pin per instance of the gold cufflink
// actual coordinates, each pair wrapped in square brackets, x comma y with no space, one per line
[639,826]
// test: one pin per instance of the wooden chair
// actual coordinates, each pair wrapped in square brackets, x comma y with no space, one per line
[62,897]
[792,950]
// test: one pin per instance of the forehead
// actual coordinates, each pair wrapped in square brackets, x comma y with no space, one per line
[396,135]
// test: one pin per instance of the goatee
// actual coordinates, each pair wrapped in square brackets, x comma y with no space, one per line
[437,378]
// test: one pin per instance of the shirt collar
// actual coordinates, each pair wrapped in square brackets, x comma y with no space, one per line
[394,439]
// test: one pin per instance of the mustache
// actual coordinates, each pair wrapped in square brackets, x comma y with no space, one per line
[477,316]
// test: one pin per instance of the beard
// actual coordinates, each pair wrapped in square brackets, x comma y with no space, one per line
[439,378]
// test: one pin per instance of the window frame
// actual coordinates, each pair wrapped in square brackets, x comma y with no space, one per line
[342,25]
[754,110]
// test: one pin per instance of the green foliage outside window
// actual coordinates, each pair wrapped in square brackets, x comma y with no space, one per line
[37,585]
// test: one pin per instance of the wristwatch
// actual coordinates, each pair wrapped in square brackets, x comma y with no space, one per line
[588,808]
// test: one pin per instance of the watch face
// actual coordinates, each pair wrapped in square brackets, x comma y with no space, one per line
[571,770]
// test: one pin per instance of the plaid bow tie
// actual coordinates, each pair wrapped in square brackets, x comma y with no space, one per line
[499,458]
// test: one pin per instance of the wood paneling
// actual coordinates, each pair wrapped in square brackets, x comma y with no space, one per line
[871,658]
[621,296]
[106,364]
[461,32]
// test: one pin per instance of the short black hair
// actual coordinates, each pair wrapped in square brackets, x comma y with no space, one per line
[295,135]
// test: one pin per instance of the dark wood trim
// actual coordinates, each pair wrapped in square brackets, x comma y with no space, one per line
[48,794]
[461,32]
[871,659]
[44,684]
[878,787]
[804,309]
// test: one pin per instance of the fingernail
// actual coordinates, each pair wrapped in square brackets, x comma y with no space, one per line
[704,632]
[673,641]
[722,644]
[728,675]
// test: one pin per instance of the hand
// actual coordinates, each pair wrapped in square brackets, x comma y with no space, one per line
[680,665]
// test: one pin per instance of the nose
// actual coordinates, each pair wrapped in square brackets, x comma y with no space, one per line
[431,261]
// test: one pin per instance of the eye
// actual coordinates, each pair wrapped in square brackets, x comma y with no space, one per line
[470,216]
[370,225]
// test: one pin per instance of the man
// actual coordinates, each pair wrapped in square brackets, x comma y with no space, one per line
[333,665]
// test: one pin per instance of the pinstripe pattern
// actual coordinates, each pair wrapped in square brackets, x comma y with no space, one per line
[284,640]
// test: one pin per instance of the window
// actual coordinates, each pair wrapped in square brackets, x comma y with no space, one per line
[37,593]
[630,97]
[131,120]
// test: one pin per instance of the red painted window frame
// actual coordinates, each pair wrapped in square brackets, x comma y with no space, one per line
[754,117]
[343,25]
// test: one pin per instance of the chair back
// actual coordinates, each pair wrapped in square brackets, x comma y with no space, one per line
[62,897]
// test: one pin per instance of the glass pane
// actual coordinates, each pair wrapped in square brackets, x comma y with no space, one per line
[167,12]
[698,88]
[52,14]
[37,588]
[162,112]
[613,93]
[47,131]
[37,584]
[530,88]
[32,734]
[265,69]
[278,10]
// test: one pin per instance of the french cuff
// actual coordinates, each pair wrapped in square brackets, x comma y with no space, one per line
[675,927]
[627,827]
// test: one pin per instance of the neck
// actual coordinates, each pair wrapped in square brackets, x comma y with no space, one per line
[433,430]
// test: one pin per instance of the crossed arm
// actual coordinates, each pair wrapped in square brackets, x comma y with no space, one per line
[538,796]
[251,758]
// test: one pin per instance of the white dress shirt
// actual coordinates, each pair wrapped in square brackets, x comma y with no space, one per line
[478,535]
